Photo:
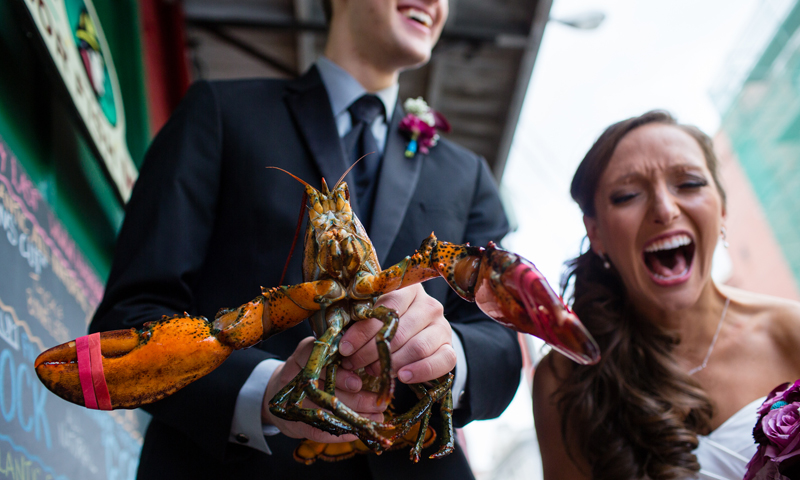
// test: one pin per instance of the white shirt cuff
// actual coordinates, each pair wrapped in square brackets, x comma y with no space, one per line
[246,427]
[460,382]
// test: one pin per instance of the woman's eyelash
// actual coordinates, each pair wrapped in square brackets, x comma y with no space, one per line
[693,184]
[622,198]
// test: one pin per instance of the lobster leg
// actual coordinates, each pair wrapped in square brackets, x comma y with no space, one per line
[330,378]
[316,418]
[367,429]
[407,433]
[448,435]
[305,383]
[131,368]
[416,450]
[507,287]
[383,339]
[440,391]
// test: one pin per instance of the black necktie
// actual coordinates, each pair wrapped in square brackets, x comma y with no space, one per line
[359,142]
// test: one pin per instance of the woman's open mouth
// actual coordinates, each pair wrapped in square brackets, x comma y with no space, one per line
[669,258]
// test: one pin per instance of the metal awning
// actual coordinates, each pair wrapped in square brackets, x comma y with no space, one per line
[477,76]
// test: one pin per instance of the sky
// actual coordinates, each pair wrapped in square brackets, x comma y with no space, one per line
[647,54]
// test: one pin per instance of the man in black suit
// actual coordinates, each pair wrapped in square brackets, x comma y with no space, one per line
[207,225]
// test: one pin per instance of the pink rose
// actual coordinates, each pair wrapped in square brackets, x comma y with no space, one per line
[777,434]
[421,131]
[425,134]
[782,428]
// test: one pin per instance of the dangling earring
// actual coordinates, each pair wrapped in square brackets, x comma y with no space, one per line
[724,237]
[604,257]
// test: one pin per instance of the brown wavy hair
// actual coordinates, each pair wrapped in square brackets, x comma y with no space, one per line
[636,414]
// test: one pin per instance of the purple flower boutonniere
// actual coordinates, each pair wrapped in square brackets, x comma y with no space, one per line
[777,434]
[420,125]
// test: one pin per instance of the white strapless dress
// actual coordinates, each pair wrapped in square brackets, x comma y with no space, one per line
[724,453]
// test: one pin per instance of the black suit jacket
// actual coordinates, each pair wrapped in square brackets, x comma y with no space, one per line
[208,224]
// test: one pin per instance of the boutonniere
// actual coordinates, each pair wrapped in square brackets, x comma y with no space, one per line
[420,125]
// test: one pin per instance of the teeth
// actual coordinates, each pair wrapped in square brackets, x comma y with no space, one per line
[419,16]
[669,243]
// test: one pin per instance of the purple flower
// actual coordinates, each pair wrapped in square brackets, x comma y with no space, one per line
[424,133]
[781,393]
[758,462]
[777,434]
[421,123]
[769,472]
[441,122]
[782,428]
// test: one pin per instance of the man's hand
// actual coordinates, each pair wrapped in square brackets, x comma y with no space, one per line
[348,386]
[422,347]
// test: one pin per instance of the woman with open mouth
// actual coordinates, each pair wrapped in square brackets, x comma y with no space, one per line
[685,362]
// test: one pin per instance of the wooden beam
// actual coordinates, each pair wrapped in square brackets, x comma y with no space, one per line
[306,39]
[224,36]
[540,18]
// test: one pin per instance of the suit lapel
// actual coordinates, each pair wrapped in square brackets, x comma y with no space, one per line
[310,106]
[397,182]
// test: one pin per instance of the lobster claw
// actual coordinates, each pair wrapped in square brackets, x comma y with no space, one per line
[130,368]
[514,293]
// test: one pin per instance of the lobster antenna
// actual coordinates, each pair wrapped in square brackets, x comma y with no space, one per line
[296,235]
[346,171]
[293,176]
[299,220]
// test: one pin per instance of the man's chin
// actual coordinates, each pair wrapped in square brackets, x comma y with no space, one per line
[415,57]
[412,50]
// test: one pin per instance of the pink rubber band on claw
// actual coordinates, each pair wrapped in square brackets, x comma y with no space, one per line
[98,376]
[85,371]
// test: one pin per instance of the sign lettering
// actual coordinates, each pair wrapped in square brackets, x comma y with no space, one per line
[48,291]
[73,37]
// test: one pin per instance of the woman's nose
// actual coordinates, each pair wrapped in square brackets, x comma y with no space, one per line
[665,208]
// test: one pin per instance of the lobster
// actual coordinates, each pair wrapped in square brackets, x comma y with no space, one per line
[342,280]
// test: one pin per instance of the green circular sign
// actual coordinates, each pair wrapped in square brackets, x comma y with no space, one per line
[93,55]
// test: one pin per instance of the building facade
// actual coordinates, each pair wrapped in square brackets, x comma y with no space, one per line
[759,144]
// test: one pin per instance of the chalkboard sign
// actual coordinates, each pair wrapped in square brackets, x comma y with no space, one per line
[48,293]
